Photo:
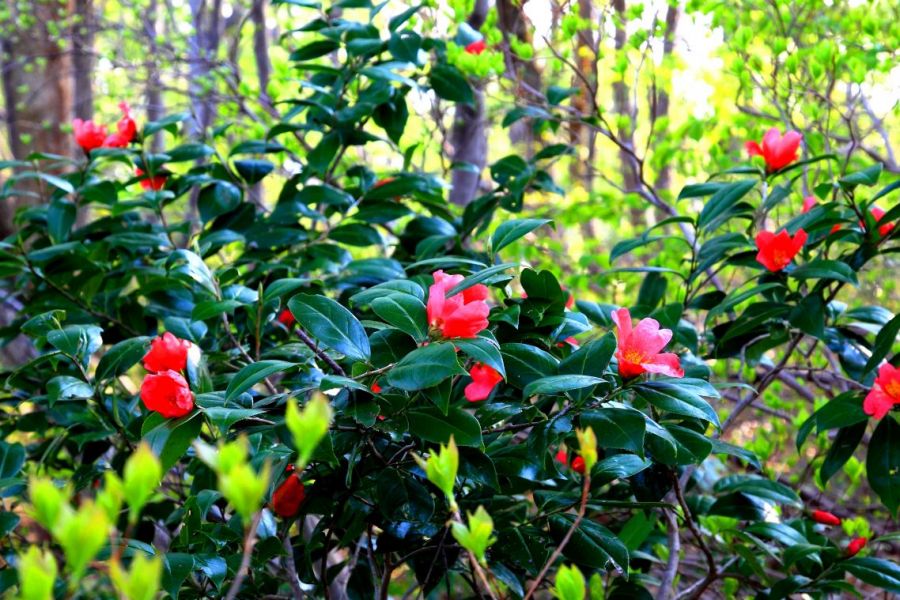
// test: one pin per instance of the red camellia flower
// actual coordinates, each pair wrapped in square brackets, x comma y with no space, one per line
[777,251]
[778,151]
[825,518]
[88,134]
[167,393]
[476,47]
[885,393]
[638,349]
[484,379]
[376,389]
[286,318]
[288,497]
[578,465]
[156,183]
[879,213]
[855,545]
[167,353]
[463,315]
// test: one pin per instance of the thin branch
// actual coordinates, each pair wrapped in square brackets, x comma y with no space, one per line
[320,353]
[249,543]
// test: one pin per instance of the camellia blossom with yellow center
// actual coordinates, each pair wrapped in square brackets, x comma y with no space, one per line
[885,393]
[639,348]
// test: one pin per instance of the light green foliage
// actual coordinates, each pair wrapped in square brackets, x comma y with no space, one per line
[37,573]
[81,534]
[587,447]
[240,484]
[48,501]
[569,583]
[308,426]
[141,580]
[477,535]
[441,468]
[143,472]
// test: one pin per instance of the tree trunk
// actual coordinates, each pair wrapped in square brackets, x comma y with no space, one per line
[203,47]
[468,136]
[261,46]
[155,106]
[83,59]
[622,105]
[661,104]
[513,22]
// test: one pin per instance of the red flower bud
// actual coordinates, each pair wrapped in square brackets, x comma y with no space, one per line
[855,545]
[578,465]
[484,380]
[156,183]
[376,389]
[167,353]
[288,497]
[825,518]
[476,47]
[286,318]
[168,394]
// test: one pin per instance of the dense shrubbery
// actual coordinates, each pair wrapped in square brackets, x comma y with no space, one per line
[347,391]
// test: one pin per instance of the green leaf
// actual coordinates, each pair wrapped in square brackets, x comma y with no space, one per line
[825,269]
[867,177]
[844,410]
[78,341]
[760,488]
[509,231]
[883,463]
[884,342]
[449,84]
[65,388]
[12,457]
[525,363]
[217,199]
[425,367]
[479,277]
[483,349]
[591,544]
[170,438]
[842,448]
[681,397]
[875,571]
[622,428]
[405,312]
[722,201]
[431,425]
[253,170]
[555,384]
[252,374]
[224,417]
[331,324]
[121,357]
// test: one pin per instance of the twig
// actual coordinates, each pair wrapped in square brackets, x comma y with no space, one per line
[582,508]
[321,354]
[244,568]
[291,567]
[696,591]
[667,585]
[272,389]
[476,567]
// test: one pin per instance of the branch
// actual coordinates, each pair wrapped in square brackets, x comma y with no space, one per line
[582,508]
[667,585]
[249,542]
[320,353]
[291,567]
[696,590]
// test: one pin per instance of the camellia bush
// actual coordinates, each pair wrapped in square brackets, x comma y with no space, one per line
[354,389]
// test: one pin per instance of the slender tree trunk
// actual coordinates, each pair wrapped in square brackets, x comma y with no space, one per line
[513,22]
[661,103]
[261,46]
[203,48]
[468,136]
[83,59]
[155,106]
[622,103]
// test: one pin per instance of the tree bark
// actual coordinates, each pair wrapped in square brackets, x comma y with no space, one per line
[513,22]
[469,135]
[622,104]
[155,106]
[261,46]
[661,103]
[203,48]
[83,59]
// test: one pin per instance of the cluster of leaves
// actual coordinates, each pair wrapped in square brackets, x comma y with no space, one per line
[350,254]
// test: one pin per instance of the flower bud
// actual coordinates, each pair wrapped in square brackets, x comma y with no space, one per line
[143,473]
[569,583]
[141,582]
[478,535]
[308,426]
[37,574]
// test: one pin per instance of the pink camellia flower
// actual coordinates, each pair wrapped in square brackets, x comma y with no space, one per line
[639,349]
[778,151]
[463,315]
[878,213]
[88,134]
[168,394]
[885,393]
[476,47]
[167,353]
[776,251]
[156,182]
[808,203]
[484,380]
